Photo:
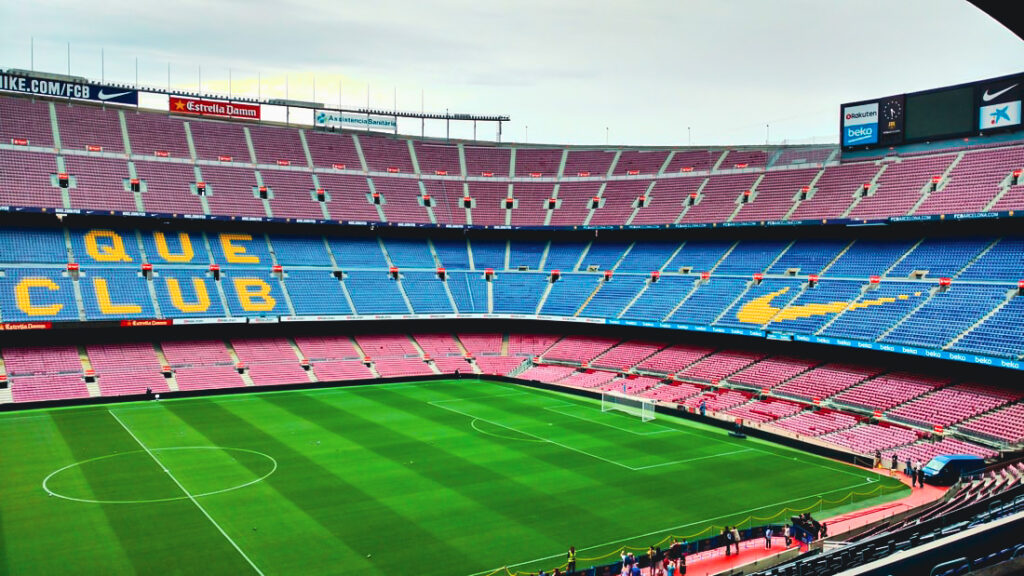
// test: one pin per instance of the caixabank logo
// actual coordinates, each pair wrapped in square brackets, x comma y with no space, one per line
[860,124]
[999,103]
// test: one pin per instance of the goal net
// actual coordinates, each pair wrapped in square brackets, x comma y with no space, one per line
[642,407]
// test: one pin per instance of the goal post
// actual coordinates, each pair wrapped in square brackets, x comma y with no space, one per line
[641,407]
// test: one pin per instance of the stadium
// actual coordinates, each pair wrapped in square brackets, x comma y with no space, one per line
[272,336]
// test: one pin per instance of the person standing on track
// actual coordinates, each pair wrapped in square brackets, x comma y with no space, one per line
[736,538]
[674,552]
[570,567]
[787,536]
[768,538]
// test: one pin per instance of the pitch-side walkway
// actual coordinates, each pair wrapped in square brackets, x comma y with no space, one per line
[858,518]
[753,551]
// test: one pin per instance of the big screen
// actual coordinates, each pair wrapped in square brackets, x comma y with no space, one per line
[940,113]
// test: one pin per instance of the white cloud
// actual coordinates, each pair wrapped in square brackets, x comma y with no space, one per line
[646,70]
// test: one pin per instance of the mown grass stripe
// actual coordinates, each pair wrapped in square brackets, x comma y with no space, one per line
[610,493]
[4,553]
[443,467]
[318,492]
[144,531]
[170,474]
[357,492]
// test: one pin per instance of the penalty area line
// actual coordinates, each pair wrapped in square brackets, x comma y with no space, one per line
[659,429]
[187,493]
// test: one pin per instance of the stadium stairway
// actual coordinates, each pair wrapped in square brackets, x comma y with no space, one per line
[943,181]
[931,294]
[586,301]
[683,300]
[423,354]
[402,292]
[172,382]
[638,295]
[244,374]
[6,393]
[303,361]
[204,200]
[466,353]
[1004,189]
[872,188]
[1010,295]
[752,197]
[87,369]
[365,357]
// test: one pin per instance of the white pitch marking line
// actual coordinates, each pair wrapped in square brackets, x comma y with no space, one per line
[187,493]
[472,424]
[584,452]
[542,439]
[478,397]
[660,429]
[671,528]
[695,459]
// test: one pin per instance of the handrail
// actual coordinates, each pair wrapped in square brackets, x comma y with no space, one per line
[959,562]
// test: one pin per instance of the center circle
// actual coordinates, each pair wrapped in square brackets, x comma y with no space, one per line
[125,477]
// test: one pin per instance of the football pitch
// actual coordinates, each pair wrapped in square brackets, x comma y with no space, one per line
[453,477]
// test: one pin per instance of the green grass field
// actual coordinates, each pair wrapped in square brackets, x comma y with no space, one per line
[444,477]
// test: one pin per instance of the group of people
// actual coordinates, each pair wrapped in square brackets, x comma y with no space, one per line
[770,531]
[731,538]
[913,469]
[672,562]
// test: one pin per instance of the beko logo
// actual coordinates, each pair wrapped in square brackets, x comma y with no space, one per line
[863,134]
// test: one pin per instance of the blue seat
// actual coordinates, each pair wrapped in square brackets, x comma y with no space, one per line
[187,293]
[375,292]
[115,293]
[300,250]
[32,245]
[60,302]
[316,292]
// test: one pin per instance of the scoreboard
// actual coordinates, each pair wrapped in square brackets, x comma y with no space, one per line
[973,109]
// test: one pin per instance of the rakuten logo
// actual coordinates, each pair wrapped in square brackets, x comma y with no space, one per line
[862,114]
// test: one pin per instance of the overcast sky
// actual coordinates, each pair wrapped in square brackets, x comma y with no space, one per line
[656,72]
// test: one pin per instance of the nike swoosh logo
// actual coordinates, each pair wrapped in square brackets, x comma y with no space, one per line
[103,96]
[986,96]
[760,311]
